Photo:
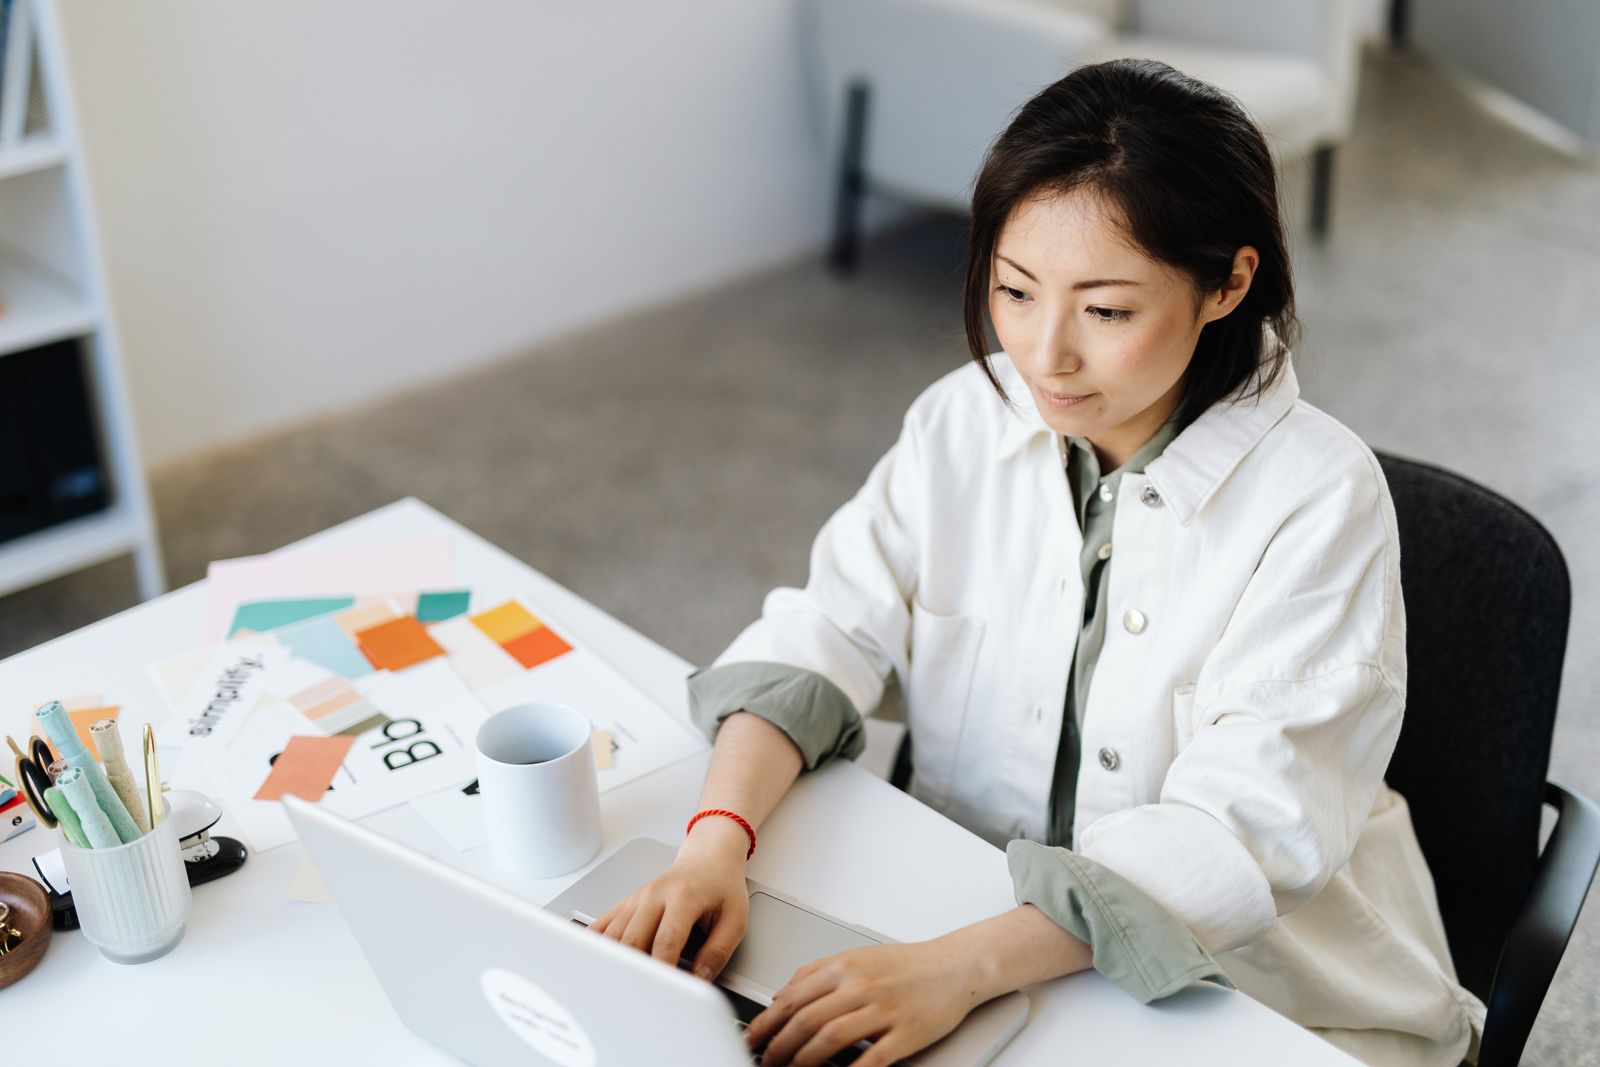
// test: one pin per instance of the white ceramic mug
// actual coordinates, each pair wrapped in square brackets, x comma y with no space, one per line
[541,796]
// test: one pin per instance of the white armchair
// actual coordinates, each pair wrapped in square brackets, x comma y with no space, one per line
[912,92]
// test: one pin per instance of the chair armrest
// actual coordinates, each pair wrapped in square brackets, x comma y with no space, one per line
[1540,934]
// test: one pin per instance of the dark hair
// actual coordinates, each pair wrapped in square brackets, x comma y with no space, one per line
[1194,181]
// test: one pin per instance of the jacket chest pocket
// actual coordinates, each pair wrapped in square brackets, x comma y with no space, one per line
[1182,718]
[944,658]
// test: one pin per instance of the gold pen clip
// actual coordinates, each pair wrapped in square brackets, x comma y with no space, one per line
[152,775]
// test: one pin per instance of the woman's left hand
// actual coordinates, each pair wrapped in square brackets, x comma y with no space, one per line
[905,997]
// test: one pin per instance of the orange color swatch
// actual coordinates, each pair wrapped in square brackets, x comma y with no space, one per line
[305,768]
[536,647]
[397,644]
[506,623]
[85,719]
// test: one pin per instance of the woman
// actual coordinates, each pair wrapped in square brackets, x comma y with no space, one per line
[1145,605]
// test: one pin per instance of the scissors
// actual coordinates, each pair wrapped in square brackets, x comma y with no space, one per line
[33,776]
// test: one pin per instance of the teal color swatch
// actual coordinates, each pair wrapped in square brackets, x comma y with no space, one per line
[437,607]
[324,642]
[264,615]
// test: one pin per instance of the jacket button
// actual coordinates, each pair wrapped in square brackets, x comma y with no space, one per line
[1105,493]
[1134,622]
[1150,497]
[1109,759]
[1104,552]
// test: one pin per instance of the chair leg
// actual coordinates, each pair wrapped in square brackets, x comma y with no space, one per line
[1321,191]
[1399,23]
[845,253]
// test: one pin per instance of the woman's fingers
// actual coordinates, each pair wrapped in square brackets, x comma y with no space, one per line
[617,924]
[886,1050]
[821,1022]
[641,931]
[720,943]
[809,984]
[673,932]
[600,924]
[839,1033]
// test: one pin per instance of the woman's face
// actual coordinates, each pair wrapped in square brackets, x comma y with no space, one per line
[1101,333]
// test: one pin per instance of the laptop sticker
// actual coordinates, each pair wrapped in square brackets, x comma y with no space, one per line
[537,1018]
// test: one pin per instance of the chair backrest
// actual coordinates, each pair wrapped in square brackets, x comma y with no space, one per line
[1324,31]
[1487,599]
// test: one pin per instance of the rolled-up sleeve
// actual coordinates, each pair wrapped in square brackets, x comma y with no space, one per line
[1137,944]
[1299,711]
[851,622]
[814,712]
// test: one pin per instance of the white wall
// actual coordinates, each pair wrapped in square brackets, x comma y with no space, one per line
[305,205]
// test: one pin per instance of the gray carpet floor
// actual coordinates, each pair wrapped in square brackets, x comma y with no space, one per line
[673,465]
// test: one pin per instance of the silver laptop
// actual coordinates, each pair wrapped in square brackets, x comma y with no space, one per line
[496,979]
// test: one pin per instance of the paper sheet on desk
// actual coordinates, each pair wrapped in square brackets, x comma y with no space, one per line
[425,745]
[222,694]
[424,563]
[645,737]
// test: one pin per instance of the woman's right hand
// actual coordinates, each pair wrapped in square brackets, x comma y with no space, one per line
[704,887]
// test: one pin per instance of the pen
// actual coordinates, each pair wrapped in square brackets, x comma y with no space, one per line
[108,739]
[152,775]
[68,745]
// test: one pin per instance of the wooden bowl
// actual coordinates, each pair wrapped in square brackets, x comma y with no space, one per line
[30,914]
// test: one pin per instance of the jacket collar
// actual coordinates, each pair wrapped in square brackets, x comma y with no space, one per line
[1196,463]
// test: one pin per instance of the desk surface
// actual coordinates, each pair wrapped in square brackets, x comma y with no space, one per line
[261,978]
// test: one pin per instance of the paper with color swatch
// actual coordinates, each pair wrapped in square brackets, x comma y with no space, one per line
[308,885]
[356,570]
[398,644]
[439,606]
[259,616]
[480,662]
[324,642]
[423,744]
[223,695]
[305,768]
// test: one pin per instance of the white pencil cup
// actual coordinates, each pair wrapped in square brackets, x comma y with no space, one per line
[541,796]
[132,900]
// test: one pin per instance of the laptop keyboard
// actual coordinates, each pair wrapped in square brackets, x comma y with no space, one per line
[745,1009]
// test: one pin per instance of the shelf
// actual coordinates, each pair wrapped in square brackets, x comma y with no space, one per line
[66,547]
[38,152]
[38,309]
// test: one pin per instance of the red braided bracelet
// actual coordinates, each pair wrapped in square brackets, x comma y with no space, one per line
[732,815]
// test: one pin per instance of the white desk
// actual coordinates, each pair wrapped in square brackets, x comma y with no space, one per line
[263,979]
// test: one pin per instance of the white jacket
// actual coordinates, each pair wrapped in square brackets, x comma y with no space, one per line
[1243,710]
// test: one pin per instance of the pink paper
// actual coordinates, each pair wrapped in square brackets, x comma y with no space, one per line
[357,570]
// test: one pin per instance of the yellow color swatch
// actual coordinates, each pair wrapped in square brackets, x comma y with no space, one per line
[506,623]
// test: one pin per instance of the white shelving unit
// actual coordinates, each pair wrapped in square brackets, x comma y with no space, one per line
[52,282]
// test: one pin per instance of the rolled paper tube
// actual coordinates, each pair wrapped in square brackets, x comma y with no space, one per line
[61,808]
[108,739]
[71,749]
[80,795]
[55,769]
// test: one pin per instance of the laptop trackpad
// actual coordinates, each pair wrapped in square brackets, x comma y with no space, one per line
[783,938]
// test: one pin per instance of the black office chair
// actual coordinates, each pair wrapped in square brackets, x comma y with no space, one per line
[1487,599]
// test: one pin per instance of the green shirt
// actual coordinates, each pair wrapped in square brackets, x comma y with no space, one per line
[1094,499]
